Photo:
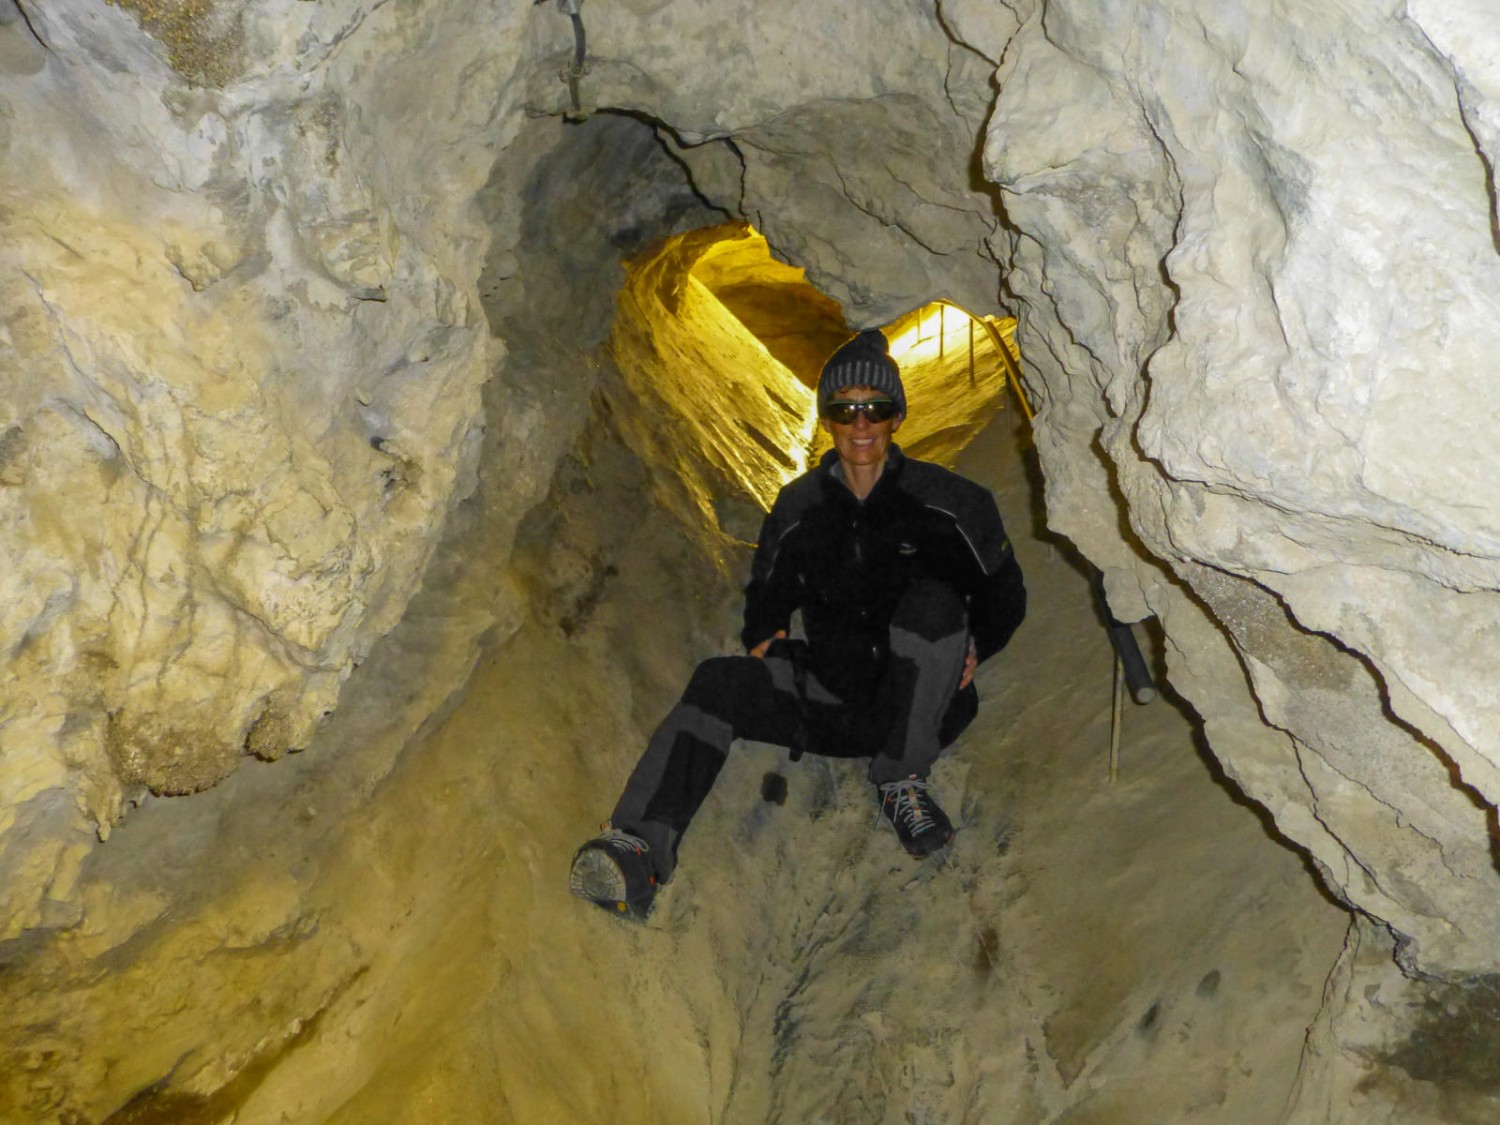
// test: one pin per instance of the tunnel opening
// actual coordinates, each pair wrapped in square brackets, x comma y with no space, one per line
[718,342]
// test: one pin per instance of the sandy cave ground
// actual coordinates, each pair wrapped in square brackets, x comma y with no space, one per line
[394,907]
[1089,953]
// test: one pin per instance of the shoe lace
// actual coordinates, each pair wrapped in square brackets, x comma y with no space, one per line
[623,841]
[905,802]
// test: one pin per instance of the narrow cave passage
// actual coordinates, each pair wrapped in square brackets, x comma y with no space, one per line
[719,347]
[380,451]
[799,968]
[1079,952]
[379,929]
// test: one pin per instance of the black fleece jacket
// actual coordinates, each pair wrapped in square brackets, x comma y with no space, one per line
[845,563]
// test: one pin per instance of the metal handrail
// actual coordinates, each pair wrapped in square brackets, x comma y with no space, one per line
[1008,361]
[1131,674]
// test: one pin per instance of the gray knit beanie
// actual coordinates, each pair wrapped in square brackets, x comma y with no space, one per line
[862,362]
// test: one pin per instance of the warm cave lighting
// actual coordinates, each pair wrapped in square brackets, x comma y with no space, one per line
[955,370]
[935,330]
[722,346]
[945,338]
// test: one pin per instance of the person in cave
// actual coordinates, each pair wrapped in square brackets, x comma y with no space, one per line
[905,581]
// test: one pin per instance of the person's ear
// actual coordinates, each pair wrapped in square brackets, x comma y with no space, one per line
[823,424]
[896,422]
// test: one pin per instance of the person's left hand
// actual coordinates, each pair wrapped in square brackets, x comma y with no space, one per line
[971,665]
[760,650]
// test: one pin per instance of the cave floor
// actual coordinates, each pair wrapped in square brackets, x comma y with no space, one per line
[1141,951]
[379,929]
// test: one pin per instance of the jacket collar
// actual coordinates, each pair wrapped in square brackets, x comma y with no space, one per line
[833,473]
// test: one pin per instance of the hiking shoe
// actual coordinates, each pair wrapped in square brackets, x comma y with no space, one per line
[612,870]
[908,807]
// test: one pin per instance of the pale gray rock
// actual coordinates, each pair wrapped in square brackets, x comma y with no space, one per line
[1273,342]
[854,160]
[244,395]
[284,283]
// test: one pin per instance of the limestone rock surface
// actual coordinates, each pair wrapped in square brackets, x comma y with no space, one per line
[281,284]
[1260,265]
[242,393]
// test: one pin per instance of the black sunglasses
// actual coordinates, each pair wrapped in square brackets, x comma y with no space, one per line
[876,410]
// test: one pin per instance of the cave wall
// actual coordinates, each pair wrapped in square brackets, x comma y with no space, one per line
[1253,256]
[1272,246]
[285,283]
[243,354]
[257,268]
[353,891]
[250,249]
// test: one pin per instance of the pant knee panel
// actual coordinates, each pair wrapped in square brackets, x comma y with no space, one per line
[721,683]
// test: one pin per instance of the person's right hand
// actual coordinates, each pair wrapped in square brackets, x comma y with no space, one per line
[971,665]
[759,651]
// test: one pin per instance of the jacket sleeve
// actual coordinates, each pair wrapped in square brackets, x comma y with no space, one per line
[771,595]
[997,609]
[998,606]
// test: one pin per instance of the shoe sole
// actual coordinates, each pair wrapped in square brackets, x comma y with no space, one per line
[929,851]
[596,876]
[599,879]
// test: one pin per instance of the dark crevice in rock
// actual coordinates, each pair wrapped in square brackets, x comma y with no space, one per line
[159,1104]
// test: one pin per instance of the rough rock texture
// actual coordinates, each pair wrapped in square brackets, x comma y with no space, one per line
[378,930]
[1229,297]
[741,421]
[260,259]
[790,318]
[242,364]
[1268,322]
[244,329]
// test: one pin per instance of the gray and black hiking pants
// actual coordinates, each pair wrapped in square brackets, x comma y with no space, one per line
[915,712]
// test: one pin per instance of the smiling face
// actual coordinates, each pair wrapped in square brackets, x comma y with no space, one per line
[862,442]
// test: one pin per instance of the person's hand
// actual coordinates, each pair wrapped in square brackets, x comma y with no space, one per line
[971,665]
[759,651]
